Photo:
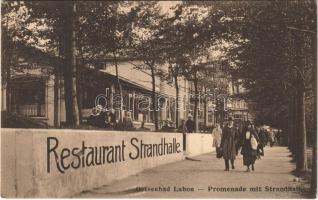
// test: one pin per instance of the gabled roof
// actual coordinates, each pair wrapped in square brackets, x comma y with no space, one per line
[36,55]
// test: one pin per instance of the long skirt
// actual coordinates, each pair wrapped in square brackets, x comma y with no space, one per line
[250,158]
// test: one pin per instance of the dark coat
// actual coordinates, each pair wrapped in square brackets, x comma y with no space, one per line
[190,126]
[249,154]
[112,117]
[229,141]
[127,123]
[262,137]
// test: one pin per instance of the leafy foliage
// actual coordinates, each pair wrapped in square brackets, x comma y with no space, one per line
[266,56]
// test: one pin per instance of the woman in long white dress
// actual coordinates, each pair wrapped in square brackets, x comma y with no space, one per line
[217,136]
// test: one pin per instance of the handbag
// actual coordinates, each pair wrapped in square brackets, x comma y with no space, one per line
[254,143]
[260,150]
[219,152]
[254,153]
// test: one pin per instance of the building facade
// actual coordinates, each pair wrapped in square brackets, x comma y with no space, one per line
[38,93]
[238,106]
[221,99]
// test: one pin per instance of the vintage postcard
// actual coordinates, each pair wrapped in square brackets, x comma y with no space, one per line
[159,99]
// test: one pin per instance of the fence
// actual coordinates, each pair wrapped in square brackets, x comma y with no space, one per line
[61,163]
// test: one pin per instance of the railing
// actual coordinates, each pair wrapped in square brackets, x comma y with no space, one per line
[30,110]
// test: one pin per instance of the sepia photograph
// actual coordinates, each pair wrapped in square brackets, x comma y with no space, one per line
[159,99]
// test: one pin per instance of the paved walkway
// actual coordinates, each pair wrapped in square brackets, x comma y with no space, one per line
[204,172]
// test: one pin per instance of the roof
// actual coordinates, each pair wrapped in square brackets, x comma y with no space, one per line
[127,72]
[36,55]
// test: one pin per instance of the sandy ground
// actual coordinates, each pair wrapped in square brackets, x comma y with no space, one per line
[204,177]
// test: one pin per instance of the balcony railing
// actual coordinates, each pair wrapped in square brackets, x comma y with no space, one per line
[30,110]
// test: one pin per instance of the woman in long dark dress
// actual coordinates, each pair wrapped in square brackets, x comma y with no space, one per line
[249,154]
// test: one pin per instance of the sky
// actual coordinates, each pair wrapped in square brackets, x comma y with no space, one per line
[167,5]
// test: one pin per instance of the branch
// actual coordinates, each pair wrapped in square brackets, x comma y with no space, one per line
[139,68]
[301,30]
[300,73]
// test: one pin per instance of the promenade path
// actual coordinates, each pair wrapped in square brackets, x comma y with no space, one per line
[206,171]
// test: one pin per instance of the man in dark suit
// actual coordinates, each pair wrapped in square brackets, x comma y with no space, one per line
[228,144]
[190,125]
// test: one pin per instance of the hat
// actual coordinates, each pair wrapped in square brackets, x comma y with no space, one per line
[95,111]
[99,107]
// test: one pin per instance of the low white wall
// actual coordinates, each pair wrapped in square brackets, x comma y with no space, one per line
[197,143]
[24,160]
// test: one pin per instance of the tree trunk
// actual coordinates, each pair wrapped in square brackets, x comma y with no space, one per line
[289,128]
[294,125]
[291,125]
[176,84]
[297,129]
[6,54]
[79,89]
[56,96]
[301,164]
[119,87]
[313,184]
[302,159]
[154,98]
[205,108]
[196,101]
[71,107]
[75,111]
[80,83]
[8,82]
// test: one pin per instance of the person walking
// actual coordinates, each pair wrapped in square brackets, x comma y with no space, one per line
[262,137]
[265,136]
[217,136]
[250,147]
[239,135]
[261,145]
[182,128]
[271,137]
[228,144]
[278,136]
[190,126]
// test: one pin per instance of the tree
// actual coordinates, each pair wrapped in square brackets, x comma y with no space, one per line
[12,31]
[148,46]
[190,32]
[104,32]
[79,30]
[23,35]
[6,51]
[70,69]
[60,19]
[274,60]
[175,71]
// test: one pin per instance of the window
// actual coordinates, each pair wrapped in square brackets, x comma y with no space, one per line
[28,97]
[210,117]
[172,109]
[244,104]
[237,116]
[90,94]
